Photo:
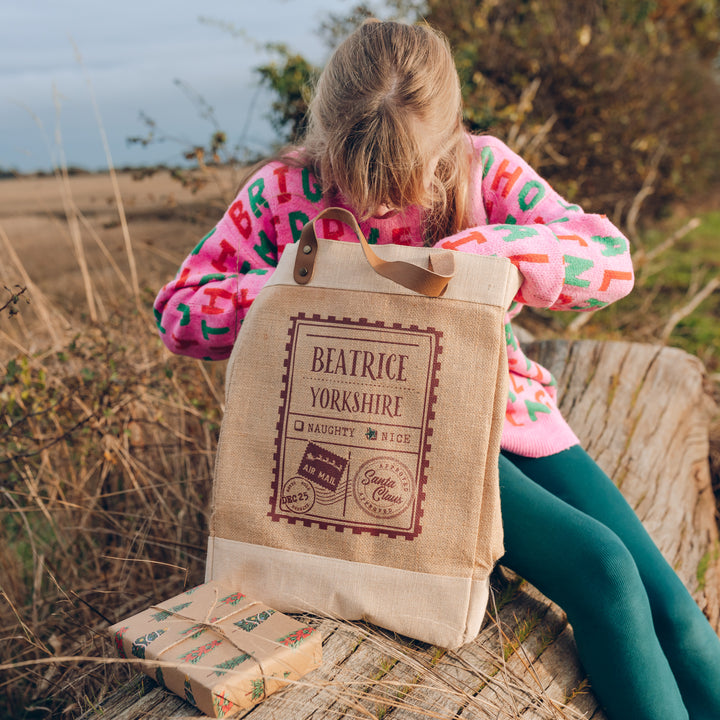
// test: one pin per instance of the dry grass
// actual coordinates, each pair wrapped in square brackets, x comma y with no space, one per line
[106,463]
[107,446]
[107,454]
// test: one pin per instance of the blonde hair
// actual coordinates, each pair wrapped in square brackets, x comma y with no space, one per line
[385,108]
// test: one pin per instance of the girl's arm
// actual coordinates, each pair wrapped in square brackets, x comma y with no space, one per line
[199,313]
[570,260]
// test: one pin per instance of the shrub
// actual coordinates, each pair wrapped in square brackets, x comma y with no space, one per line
[608,99]
[616,102]
[106,458]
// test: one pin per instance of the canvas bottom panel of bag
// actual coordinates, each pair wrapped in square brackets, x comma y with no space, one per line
[440,610]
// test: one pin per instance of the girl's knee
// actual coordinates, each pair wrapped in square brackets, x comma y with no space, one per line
[607,580]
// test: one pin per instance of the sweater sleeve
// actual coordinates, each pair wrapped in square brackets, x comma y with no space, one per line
[570,260]
[199,313]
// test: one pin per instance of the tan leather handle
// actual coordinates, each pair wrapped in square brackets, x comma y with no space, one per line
[431,281]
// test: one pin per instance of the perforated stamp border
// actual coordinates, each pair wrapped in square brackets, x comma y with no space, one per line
[426,445]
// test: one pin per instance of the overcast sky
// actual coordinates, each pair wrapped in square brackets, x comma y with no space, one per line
[131,53]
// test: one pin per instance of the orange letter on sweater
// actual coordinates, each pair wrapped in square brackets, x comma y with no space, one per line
[503,174]
[475,236]
[610,275]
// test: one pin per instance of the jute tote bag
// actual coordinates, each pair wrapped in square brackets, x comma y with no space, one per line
[357,466]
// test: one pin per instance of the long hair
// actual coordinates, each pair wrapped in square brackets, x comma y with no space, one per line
[385,126]
[386,108]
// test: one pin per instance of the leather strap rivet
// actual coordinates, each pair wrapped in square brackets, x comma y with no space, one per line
[307,249]
[303,272]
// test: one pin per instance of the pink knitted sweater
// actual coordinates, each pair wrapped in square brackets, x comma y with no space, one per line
[570,260]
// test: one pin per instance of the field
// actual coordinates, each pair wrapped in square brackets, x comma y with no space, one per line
[107,441]
[42,216]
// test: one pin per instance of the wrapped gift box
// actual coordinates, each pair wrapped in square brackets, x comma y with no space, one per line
[219,649]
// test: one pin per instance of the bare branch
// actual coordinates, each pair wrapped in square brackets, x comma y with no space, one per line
[642,257]
[685,310]
[579,321]
[646,190]
[14,297]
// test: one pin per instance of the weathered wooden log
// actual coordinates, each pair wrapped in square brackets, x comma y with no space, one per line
[643,413]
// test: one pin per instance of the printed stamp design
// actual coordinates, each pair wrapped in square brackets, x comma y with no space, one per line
[383,487]
[298,496]
[321,466]
[355,424]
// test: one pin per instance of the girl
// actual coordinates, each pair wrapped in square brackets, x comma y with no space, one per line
[385,140]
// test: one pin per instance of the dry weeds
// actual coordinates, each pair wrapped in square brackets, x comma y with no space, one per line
[107,445]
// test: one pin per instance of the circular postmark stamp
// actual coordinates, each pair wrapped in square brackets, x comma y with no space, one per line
[298,496]
[383,487]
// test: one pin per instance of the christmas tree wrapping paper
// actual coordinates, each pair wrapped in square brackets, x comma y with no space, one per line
[219,649]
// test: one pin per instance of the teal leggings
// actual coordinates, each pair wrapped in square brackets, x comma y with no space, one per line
[648,650]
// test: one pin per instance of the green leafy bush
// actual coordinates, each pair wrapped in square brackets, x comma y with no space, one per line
[608,98]
[290,79]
